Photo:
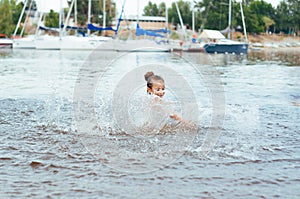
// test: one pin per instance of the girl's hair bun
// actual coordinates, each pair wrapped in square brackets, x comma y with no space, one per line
[148,75]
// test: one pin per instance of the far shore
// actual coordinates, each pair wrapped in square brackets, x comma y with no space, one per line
[277,49]
[273,41]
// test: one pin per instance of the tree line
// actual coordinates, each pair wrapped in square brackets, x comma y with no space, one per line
[260,16]
[10,11]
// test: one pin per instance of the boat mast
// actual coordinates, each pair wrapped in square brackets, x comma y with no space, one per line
[193,17]
[137,12]
[39,23]
[104,15]
[60,18]
[89,15]
[229,20]
[120,18]
[68,16]
[167,23]
[75,11]
[20,18]
[243,20]
[181,22]
[26,19]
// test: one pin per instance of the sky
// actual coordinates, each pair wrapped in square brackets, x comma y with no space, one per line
[132,7]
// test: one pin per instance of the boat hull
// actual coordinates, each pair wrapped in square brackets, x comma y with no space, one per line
[83,43]
[48,43]
[24,43]
[6,43]
[226,48]
[140,45]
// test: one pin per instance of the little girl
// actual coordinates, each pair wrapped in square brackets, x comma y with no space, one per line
[156,86]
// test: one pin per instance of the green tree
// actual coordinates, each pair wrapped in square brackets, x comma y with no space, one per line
[185,11]
[262,9]
[52,19]
[294,9]
[151,9]
[214,14]
[6,20]
[283,17]
[218,16]
[268,22]
[16,11]
[110,9]
[162,9]
[82,12]
[96,12]
[251,18]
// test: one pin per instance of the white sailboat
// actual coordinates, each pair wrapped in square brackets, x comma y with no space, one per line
[79,42]
[27,42]
[145,41]
[61,42]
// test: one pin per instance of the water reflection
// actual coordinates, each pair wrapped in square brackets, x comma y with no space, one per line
[41,154]
[5,53]
[287,57]
[284,57]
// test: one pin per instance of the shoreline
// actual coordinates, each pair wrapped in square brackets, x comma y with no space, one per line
[272,41]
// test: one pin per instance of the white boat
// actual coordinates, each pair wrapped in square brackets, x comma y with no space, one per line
[39,41]
[82,43]
[5,42]
[215,42]
[69,42]
[27,42]
[47,42]
[137,45]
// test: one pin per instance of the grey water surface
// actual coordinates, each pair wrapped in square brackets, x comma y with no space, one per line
[45,151]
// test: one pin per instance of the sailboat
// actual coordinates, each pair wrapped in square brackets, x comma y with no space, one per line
[219,44]
[80,42]
[63,41]
[145,41]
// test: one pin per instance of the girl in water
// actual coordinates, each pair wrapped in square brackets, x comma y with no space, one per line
[156,86]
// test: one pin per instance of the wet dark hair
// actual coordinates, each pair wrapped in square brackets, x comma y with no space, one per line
[149,76]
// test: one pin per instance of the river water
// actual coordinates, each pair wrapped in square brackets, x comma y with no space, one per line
[70,125]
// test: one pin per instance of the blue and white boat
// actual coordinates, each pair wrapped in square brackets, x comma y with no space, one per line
[226,46]
[215,41]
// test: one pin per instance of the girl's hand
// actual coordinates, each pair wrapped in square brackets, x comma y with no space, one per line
[186,124]
[175,117]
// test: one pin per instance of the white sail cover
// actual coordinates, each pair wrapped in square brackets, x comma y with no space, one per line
[211,34]
[45,6]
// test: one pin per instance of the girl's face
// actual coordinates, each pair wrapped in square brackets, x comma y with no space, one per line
[158,88]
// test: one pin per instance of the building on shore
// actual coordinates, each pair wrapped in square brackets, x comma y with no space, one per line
[145,22]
